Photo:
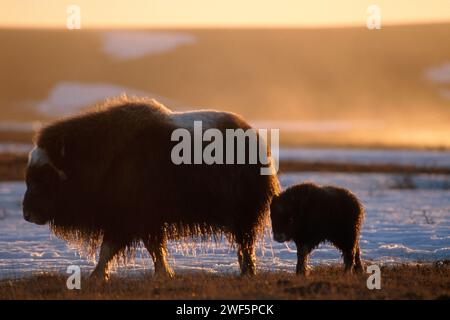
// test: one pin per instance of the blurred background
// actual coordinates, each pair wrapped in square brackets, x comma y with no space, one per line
[313,69]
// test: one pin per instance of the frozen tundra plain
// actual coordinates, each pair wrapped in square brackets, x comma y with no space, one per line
[407,221]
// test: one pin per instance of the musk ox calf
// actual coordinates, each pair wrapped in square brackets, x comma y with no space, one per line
[310,214]
[107,176]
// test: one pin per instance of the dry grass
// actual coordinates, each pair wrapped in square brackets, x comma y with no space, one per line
[401,282]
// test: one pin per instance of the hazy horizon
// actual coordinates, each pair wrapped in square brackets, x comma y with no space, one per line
[210,13]
[207,27]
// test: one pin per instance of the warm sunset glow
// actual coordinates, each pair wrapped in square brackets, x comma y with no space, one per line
[206,13]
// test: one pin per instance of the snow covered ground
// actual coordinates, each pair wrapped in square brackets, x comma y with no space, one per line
[405,222]
[420,158]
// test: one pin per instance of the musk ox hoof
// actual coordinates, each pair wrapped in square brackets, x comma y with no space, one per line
[250,272]
[99,276]
[303,273]
[168,274]
[349,271]
[359,268]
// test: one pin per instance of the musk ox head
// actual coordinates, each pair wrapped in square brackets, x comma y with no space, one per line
[43,182]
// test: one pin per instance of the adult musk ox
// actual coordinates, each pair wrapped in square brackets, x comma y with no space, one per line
[309,214]
[106,176]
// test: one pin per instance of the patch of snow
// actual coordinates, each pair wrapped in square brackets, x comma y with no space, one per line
[67,98]
[439,74]
[445,93]
[125,45]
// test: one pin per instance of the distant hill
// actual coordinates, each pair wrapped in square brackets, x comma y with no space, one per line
[346,86]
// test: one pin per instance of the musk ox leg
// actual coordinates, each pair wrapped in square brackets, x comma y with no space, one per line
[246,256]
[157,247]
[349,259]
[302,259]
[107,252]
[358,267]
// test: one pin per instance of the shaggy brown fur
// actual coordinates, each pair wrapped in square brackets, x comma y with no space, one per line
[122,188]
[309,214]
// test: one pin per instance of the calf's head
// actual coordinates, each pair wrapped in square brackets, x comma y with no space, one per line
[282,216]
[43,181]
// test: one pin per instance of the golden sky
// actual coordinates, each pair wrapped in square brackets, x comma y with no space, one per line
[204,13]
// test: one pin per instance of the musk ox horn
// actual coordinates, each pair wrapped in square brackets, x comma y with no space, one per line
[39,157]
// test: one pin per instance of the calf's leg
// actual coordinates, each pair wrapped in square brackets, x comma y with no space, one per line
[302,259]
